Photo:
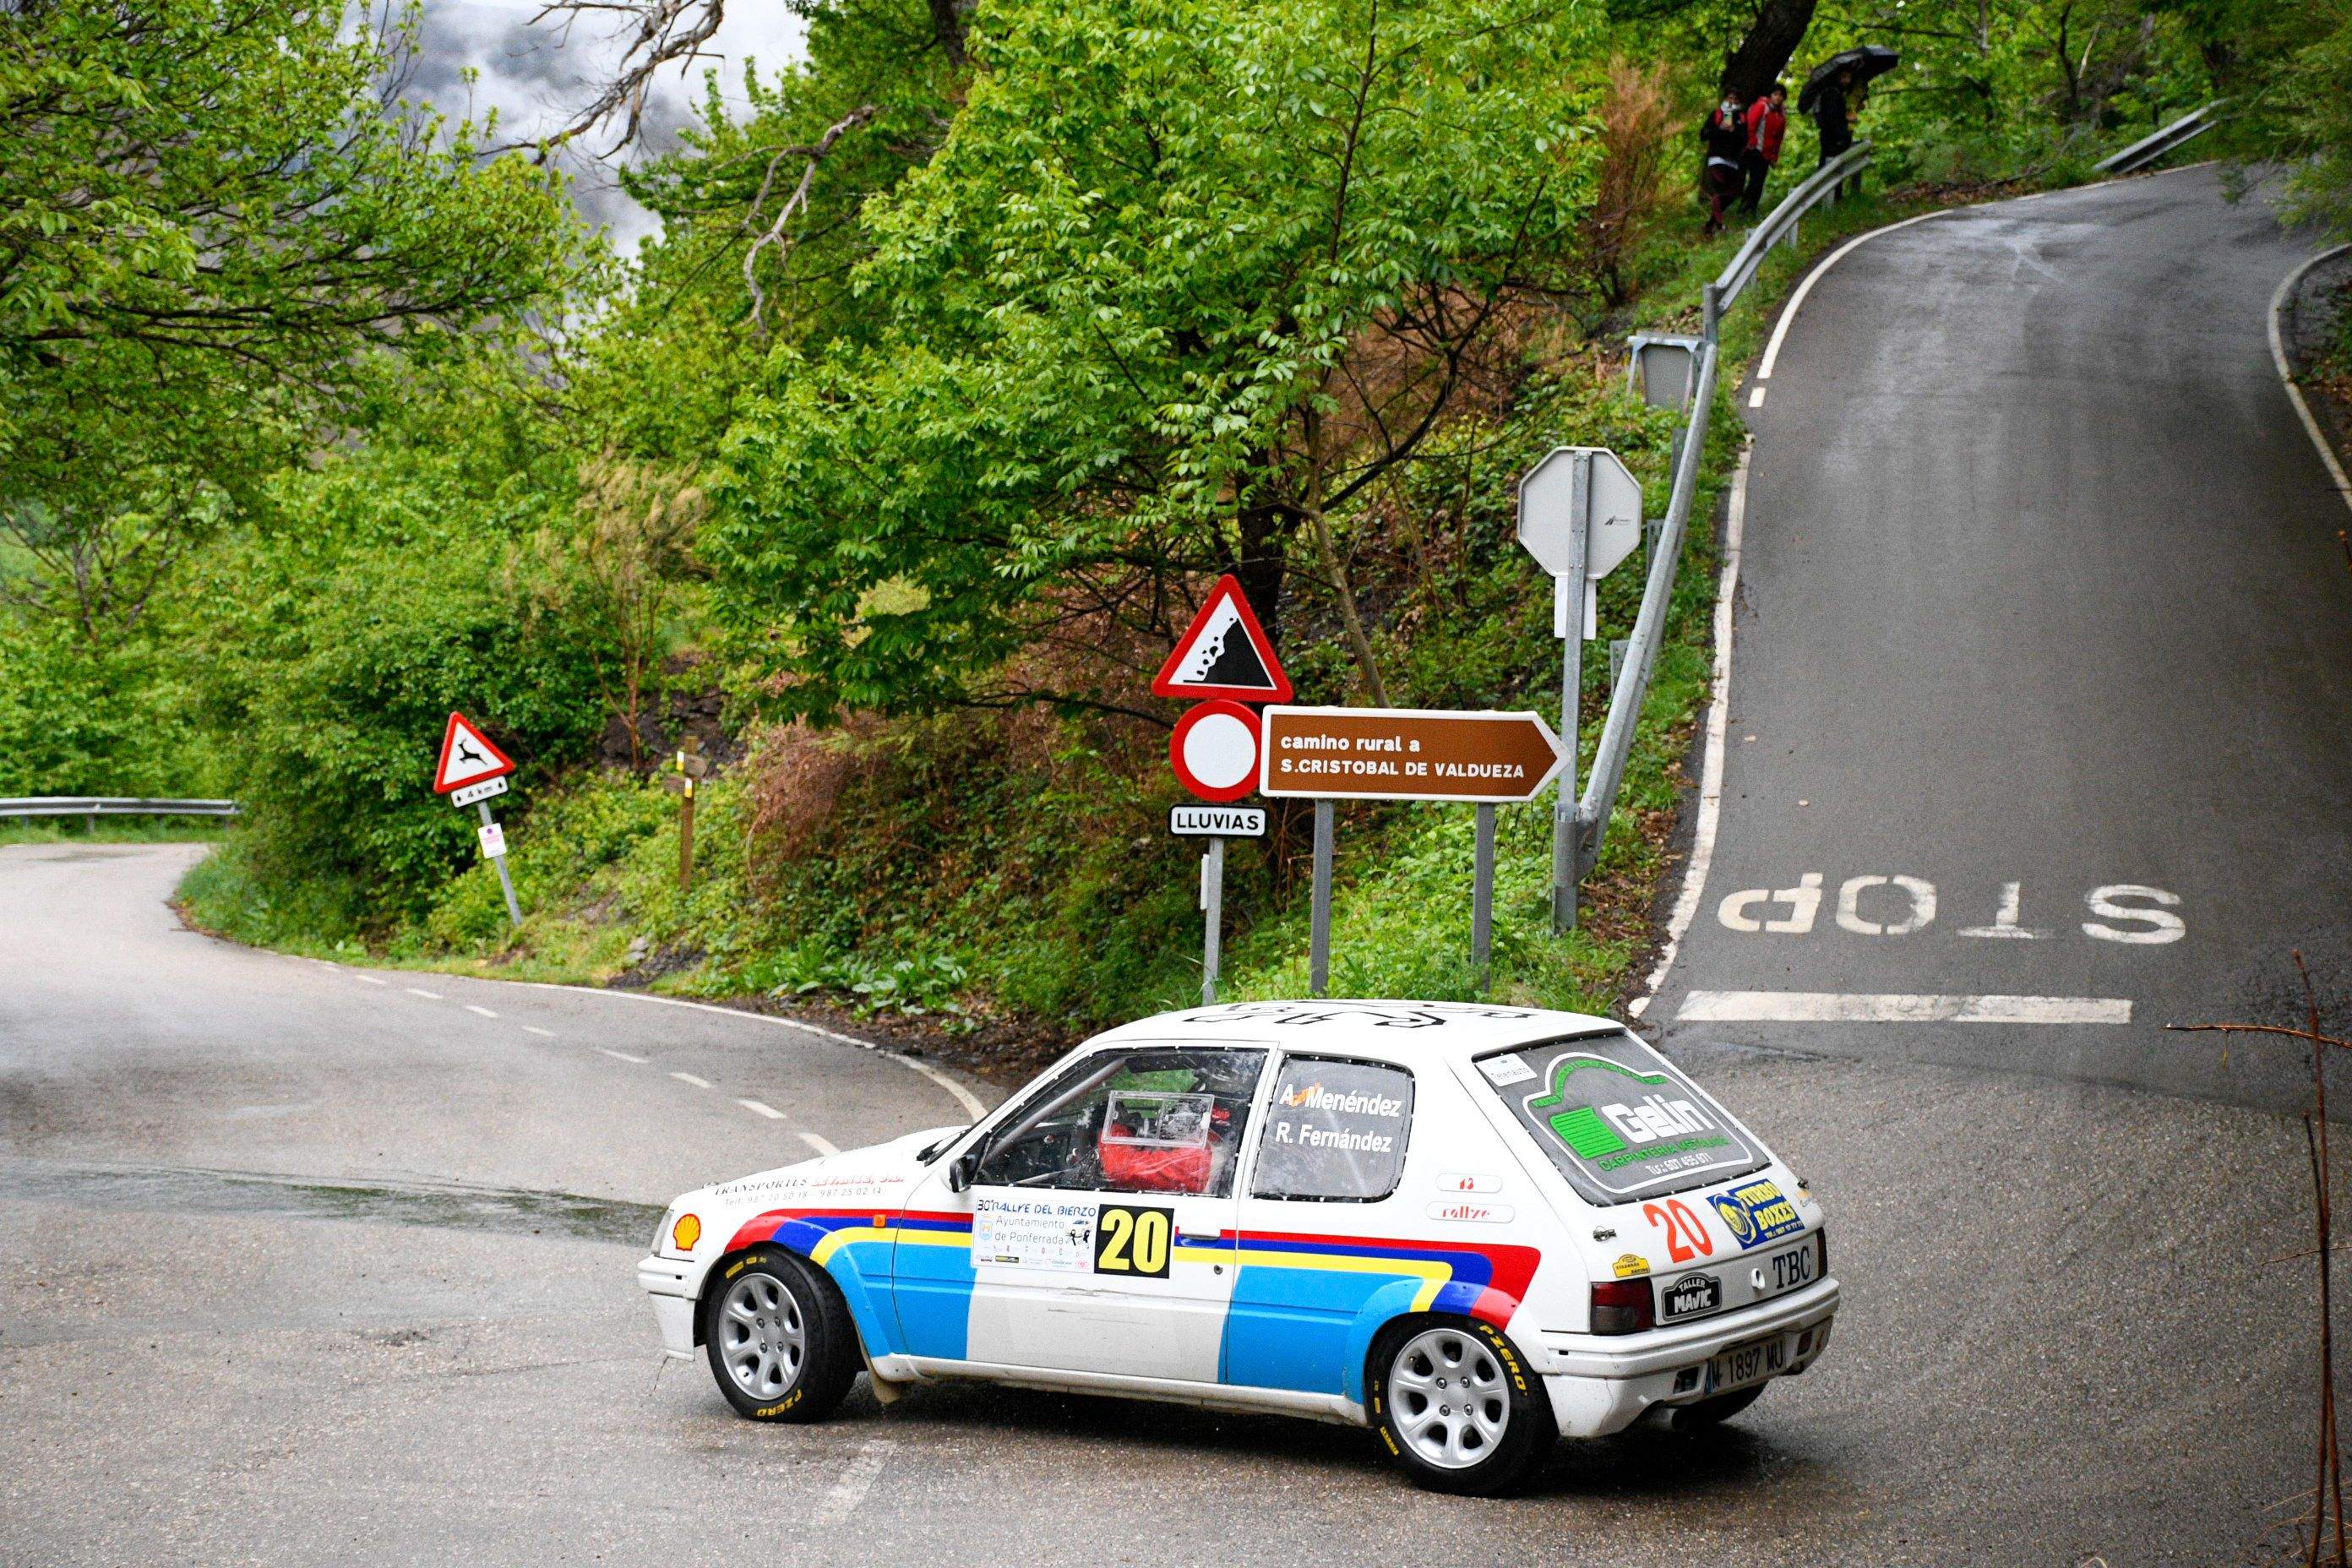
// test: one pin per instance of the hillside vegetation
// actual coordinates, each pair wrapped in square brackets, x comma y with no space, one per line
[966,360]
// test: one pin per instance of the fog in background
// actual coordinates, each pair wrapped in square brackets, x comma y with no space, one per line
[538,74]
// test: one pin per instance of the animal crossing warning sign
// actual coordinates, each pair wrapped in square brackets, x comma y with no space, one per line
[1224,653]
[467,757]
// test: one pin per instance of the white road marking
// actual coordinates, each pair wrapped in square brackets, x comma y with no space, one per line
[2286,375]
[1781,328]
[370,979]
[485,1012]
[428,996]
[535,1029]
[964,1097]
[1718,712]
[690,1077]
[762,1107]
[2005,918]
[817,1144]
[857,1478]
[2163,924]
[1836,1007]
[623,1056]
[1849,906]
[1756,398]
[1804,901]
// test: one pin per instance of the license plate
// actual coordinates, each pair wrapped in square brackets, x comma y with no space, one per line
[1752,1362]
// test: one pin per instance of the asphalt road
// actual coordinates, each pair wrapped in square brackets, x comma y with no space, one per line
[299,1267]
[2039,595]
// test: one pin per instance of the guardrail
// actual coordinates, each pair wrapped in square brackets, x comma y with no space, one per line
[1632,687]
[97,806]
[2171,139]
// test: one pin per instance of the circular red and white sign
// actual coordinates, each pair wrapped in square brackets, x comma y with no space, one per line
[1214,749]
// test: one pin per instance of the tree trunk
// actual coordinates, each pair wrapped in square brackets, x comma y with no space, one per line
[1771,42]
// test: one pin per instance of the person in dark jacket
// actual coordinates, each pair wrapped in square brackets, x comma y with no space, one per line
[1832,116]
[1725,137]
[1768,121]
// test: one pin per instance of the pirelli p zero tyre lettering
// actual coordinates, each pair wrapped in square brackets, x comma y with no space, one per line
[1455,1406]
[778,1336]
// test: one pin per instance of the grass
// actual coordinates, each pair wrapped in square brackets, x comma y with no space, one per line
[112,830]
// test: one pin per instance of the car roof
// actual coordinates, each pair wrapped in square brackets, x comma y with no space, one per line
[1395,1029]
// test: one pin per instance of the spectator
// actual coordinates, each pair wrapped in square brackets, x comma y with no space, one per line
[1725,136]
[1767,120]
[1833,118]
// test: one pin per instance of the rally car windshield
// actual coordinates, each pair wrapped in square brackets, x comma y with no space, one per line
[1616,1118]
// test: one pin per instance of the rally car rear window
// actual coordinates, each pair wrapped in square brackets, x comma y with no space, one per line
[1617,1119]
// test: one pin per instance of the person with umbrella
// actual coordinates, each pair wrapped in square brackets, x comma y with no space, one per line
[1725,136]
[1835,90]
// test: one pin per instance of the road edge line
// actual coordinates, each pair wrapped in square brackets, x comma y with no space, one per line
[1788,315]
[1719,720]
[964,1097]
[2286,372]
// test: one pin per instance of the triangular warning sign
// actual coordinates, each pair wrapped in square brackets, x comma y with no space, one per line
[1223,653]
[467,757]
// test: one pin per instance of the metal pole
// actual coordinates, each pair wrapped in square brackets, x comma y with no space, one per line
[1481,895]
[1572,675]
[1318,963]
[1710,297]
[1213,904]
[514,911]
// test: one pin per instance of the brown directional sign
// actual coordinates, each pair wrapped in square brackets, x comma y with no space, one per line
[1406,754]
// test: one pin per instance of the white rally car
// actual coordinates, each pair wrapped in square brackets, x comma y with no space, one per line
[1469,1228]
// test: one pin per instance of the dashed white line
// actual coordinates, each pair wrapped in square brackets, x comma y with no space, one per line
[1756,398]
[428,996]
[623,1056]
[690,1077]
[819,1144]
[370,979]
[857,1478]
[1836,1007]
[762,1107]
[535,1029]
[485,1012]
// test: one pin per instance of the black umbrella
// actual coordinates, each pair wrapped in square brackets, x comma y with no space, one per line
[1868,61]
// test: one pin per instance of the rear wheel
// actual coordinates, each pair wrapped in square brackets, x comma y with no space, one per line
[1455,1406]
[779,1337]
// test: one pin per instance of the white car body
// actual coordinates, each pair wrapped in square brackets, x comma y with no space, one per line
[1272,1303]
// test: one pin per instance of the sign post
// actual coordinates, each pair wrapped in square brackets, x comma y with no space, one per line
[1579,515]
[1406,753]
[470,772]
[690,766]
[1224,657]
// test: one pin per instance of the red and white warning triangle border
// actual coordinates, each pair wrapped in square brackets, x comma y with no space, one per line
[467,757]
[1224,653]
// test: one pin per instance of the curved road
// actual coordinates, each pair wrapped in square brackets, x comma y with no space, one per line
[2037,730]
[301,1264]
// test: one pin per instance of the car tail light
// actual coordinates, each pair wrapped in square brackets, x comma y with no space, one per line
[1622,1307]
[1822,1240]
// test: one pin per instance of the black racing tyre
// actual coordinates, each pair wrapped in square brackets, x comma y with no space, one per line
[1714,1412]
[778,1336]
[1455,1407]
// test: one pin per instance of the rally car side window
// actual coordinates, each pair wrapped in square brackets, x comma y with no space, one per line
[1156,1118]
[1617,1119]
[1335,1132]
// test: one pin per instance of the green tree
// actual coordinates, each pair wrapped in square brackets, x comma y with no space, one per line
[1186,279]
[216,222]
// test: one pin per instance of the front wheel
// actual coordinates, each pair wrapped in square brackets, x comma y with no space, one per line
[1456,1408]
[779,1337]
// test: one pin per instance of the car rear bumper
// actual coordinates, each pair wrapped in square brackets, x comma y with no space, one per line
[669,1281]
[1600,1383]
